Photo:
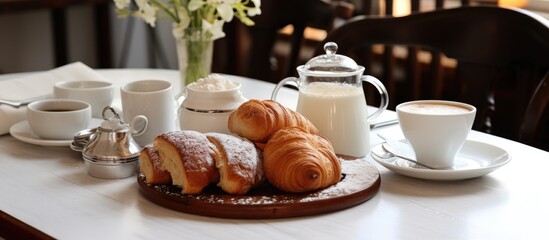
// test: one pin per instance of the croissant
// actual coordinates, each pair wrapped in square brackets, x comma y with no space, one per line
[257,120]
[150,165]
[297,161]
[240,164]
[186,155]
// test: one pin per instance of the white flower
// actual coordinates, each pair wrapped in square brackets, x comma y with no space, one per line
[195,5]
[184,18]
[208,15]
[121,4]
[216,29]
[225,11]
[256,10]
[146,12]
[178,30]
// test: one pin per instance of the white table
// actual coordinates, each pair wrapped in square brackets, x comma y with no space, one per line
[49,189]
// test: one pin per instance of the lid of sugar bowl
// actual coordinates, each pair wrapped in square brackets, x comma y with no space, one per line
[331,62]
[112,142]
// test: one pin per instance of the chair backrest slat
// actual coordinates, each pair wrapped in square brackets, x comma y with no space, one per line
[534,124]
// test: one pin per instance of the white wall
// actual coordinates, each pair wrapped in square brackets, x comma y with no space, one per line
[139,43]
[26,41]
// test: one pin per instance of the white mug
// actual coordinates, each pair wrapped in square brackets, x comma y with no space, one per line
[58,119]
[153,99]
[98,94]
[435,129]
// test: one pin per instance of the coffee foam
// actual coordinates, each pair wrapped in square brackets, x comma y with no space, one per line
[434,108]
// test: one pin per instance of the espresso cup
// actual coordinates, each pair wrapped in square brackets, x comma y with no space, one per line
[58,119]
[98,94]
[435,129]
[153,99]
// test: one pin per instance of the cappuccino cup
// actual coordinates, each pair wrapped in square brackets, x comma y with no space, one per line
[58,119]
[98,94]
[435,129]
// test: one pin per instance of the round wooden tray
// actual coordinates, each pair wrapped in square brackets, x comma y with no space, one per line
[360,182]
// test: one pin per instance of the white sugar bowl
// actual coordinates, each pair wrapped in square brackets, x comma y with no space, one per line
[208,104]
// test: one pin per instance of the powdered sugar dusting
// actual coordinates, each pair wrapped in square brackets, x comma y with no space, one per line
[153,155]
[194,146]
[240,149]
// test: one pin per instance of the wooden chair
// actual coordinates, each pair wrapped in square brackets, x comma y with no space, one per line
[534,128]
[371,7]
[411,62]
[276,14]
[330,13]
[500,57]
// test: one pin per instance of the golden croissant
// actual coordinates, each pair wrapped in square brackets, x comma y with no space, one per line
[297,161]
[258,120]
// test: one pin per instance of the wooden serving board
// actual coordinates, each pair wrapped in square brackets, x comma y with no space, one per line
[360,182]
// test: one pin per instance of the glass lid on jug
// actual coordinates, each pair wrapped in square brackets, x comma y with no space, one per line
[331,62]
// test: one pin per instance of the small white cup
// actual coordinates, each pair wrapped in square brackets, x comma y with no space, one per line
[58,119]
[98,94]
[153,99]
[435,129]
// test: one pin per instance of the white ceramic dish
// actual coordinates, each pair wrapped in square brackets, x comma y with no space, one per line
[204,121]
[474,160]
[22,132]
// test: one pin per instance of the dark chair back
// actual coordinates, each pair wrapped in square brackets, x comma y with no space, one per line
[276,14]
[534,127]
[413,67]
[415,5]
[499,56]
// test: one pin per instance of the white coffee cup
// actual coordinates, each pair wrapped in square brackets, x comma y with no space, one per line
[435,129]
[58,119]
[98,94]
[153,99]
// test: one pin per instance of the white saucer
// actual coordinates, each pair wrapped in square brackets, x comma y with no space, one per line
[474,160]
[22,132]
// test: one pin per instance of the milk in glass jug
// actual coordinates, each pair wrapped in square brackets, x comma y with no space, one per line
[332,98]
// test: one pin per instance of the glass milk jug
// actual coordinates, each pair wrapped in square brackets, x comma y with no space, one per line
[332,98]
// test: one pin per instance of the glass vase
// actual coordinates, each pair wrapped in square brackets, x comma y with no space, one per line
[194,54]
